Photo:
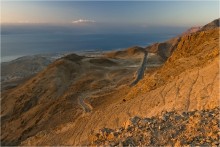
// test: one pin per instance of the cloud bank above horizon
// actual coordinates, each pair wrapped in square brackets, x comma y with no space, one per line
[83,21]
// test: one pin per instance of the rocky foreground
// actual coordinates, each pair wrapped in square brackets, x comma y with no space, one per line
[194,128]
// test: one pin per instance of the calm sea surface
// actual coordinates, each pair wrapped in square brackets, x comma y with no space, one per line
[17,45]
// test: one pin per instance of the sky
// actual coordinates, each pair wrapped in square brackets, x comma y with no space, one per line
[110,14]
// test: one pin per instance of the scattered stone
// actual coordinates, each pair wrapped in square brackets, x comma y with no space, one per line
[196,128]
[135,120]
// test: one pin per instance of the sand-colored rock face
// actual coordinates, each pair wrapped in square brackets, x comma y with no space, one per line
[47,110]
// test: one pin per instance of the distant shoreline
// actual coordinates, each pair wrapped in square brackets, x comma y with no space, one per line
[53,56]
[15,46]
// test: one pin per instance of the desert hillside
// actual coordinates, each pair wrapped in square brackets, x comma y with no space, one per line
[76,97]
[165,49]
[17,71]
[127,53]
[60,93]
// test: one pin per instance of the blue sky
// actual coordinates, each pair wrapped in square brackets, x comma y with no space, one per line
[94,16]
[165,13]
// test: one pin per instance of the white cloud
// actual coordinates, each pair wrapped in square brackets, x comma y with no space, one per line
[83,21]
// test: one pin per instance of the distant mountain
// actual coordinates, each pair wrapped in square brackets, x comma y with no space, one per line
[164,49]
[191,30]
[127,53]
[16,71]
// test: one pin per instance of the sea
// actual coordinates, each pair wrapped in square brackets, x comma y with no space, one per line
[18,45]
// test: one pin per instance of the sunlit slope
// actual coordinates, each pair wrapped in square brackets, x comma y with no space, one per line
[188,80]
[52,96]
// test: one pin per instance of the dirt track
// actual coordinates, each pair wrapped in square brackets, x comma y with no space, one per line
[86,107]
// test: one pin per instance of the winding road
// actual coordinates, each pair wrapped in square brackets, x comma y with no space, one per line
[86,107]
[140,73]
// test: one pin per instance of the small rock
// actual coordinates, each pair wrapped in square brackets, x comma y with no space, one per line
[159,127]
[110,136]
[106,143]
[185,114]
[120,144]
[129,142]
[164,118]
[106,130]
[128,134]
[177,143]
[127,124]
[116,134]
[142,123]
[130,128]
[112,143]
[135,120]
[215,143]
[177,117]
